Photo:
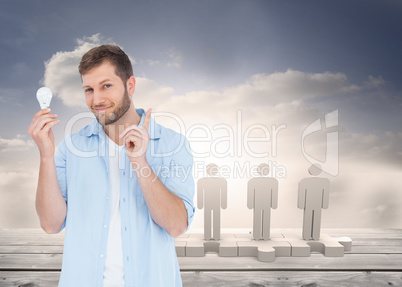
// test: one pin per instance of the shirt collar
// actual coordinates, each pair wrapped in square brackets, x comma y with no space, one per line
[95,128]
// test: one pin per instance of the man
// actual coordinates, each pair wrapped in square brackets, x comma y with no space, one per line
[312,197]
[262,195]
[108,185]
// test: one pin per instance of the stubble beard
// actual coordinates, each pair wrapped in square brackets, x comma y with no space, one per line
[117,113]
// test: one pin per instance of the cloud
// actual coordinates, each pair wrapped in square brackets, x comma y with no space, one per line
[12,95]
[280,96]
[9,178]
[175,58]
[377,196]
[290,85]
[17,193]
[172,58]
[379,147]
[61,71]
[153,62]
[148,93]
[16,144]
[374,82]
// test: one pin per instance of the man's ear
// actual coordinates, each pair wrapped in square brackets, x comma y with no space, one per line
[131,85]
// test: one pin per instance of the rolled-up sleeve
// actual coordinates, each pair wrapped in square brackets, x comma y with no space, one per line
[180,180]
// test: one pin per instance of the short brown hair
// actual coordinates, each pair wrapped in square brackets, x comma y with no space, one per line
[112,53]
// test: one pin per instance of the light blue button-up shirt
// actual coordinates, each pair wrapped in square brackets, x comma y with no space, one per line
[149,254]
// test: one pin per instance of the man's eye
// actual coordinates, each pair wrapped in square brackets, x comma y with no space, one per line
[107,86]
[88,90]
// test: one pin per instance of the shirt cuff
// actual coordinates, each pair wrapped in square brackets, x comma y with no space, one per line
[190,213]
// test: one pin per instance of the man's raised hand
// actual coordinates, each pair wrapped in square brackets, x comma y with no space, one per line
[136,140]
[41,132]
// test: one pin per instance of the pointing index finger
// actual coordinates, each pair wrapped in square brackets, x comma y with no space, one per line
[145,124]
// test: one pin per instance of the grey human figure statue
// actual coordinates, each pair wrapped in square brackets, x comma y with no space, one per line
[212,196]
[313,196]
[262,195]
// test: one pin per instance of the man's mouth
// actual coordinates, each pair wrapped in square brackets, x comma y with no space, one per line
[101,109]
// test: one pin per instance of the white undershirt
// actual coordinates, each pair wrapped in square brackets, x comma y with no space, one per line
[113,274]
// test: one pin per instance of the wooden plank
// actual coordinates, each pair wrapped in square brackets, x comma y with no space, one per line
[234,279]
[19,231]
[331,231]
[376,249]
[352,262]
[373,242]
[283,278]
[29,249]
[15,237]
[316,262]
[29,279]
[58,249]
[367,235]
[351,231]
[30,262]
[31,240]
[25,231]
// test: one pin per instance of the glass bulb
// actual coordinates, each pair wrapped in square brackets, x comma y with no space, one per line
[44,96]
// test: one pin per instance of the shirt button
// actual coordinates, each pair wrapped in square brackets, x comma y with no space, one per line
[125,228]
[124,199]
[101,256]
[104,226]
[124,173]
[107,197]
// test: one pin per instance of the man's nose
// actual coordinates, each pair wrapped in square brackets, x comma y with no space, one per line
[99,98]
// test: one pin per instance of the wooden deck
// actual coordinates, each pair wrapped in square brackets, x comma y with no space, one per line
[29,257]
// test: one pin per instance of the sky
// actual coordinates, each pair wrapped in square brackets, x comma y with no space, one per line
[285,83]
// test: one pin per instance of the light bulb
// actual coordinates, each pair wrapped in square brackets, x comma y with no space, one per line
[44,96]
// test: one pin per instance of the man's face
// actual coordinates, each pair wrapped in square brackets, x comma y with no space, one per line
[105,94]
